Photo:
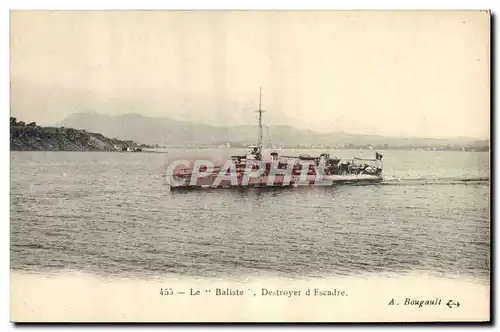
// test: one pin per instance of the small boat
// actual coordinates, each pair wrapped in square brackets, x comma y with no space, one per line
[258,169]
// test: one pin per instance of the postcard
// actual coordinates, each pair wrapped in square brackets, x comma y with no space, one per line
[250,166]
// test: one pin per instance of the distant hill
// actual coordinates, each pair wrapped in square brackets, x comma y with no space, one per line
[174,133]
[30,137]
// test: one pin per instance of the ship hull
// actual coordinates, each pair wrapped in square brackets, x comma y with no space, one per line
[278,181]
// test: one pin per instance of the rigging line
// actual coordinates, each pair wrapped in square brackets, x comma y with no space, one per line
[269,136]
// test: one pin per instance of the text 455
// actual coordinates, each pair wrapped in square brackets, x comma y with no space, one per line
[166,291]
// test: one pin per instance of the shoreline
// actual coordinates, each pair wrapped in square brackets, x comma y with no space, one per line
[215,148]
[131,152]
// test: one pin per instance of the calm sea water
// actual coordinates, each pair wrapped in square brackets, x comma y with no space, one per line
[113,214]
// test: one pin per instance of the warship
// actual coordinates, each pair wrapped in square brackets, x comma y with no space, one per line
[260,167]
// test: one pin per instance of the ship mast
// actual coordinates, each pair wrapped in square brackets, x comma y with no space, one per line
[260,111]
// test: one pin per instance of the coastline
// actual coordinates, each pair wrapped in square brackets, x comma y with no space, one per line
[31,137]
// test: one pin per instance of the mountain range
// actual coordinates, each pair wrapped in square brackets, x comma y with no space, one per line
[175,133]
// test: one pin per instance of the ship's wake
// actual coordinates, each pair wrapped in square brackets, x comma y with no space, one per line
[412,181]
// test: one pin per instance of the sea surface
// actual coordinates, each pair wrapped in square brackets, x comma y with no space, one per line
[112,214]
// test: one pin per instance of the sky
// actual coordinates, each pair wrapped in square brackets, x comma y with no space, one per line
[394,73]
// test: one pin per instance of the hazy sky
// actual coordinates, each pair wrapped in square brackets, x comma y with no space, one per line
[391,73]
